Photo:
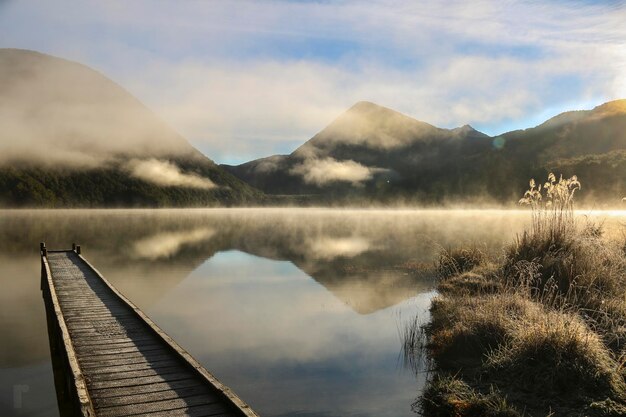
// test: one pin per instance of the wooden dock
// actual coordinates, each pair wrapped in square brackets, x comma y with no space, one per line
[110,359]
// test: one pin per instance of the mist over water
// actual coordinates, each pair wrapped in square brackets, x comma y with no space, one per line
[297,310]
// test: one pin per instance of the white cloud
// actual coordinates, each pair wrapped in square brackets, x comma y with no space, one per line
[167,174]
[331,247]
[328,170]
[164,245]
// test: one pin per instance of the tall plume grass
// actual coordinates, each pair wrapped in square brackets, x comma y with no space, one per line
[552,205]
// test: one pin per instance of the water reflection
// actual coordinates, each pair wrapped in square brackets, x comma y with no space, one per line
[301,349]
[168,244]
[297,311]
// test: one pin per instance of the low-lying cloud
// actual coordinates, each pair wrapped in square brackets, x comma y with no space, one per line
[59,113]
[166,174]
[328,170]
[164,245]
[330,248]
[268,165]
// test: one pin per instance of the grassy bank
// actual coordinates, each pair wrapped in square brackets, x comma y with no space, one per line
[539,331]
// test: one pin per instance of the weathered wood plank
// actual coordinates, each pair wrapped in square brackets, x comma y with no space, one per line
[94,342]
[148,397]
[195,411]
[123,372]
[133,382]
[165,405]
[87,364]
[88,356]
[115,349]
[139,389]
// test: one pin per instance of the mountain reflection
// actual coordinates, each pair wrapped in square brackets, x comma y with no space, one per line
[288,346]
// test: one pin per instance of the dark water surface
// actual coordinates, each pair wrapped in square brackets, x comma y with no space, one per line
[297,310]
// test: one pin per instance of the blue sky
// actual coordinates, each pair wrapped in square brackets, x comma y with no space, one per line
[244,79]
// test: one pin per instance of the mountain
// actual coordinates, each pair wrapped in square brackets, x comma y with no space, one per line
[371,153]
[69,136]
[590,144]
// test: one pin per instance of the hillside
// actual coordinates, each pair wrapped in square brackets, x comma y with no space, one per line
[69,136]
[368,151]
[374,154]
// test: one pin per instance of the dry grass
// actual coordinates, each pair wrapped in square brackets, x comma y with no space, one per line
[455,261]
[448,396]
[555,353]
[545,328]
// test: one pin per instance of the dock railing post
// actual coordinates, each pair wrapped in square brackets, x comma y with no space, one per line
[43,252]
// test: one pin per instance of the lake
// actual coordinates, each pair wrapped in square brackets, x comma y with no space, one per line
[299,311]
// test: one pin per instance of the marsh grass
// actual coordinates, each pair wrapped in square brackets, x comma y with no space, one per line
[414,341]
[541,331]
[455,261]
[447,396]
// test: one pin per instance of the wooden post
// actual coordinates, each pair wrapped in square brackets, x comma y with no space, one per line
[42,249]
[78,249]
[74,246]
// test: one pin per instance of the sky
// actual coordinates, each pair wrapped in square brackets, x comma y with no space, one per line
[247,79]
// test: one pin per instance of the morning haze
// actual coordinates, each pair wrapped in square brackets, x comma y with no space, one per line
[323,209]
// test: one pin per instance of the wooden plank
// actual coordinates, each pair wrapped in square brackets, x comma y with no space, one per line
[103,363]
[148,397]
[165,405]
[130,331]
[133,382]
[123,372]
[133,324]
[195,411]
[138,389]
[113,353]
[115,342]
[112,348]
[101,329]
[99,341]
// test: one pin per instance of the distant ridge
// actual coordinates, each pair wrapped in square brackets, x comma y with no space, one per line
[371,153]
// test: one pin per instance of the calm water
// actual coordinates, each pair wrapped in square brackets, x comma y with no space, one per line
[297,310]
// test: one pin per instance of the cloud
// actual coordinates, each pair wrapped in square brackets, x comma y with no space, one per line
[57,112]
[236,111]
[166,174]
[321,172]
[164,245]
[269,164]
[247,79]
[330,248]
